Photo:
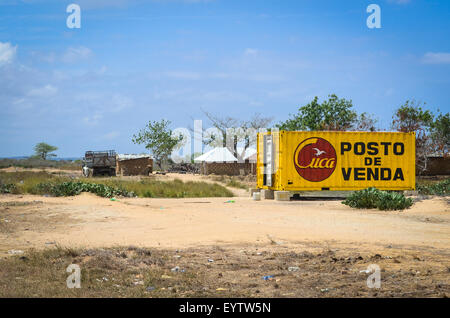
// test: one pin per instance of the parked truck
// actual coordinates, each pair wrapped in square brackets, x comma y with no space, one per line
[99,163]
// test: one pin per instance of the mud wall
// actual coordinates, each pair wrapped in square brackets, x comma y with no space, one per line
[228,168]
[134,167]
[437,166]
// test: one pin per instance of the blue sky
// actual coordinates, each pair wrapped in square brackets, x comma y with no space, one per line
[133,61]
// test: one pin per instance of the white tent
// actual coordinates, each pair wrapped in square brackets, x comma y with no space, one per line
[247,154]
[220,154]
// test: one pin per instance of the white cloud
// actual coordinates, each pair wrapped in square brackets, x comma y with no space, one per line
[45,91]
[389,92]
[120,102]
[436,58]
[102,102]
[47,57]
[59,75]
[102,70]
[250,52]
[76,54]
[92,120]
[22,104]
[7,53]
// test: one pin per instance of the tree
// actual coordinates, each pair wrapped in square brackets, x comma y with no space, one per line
[223,125]
[238,130]
[365,122]
[158,138]
[254,124]
[440,134]
[43,150]
[332,114]
[410,117]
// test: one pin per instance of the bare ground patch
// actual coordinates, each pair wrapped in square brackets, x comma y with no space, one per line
[233,271]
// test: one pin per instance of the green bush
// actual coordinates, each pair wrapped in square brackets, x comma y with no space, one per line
[71,188]
[7,188]
[439,188]
[373,198]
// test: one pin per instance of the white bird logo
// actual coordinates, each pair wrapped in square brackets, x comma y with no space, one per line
[319,152]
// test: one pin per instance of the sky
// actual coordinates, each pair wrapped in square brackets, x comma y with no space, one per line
[132,61]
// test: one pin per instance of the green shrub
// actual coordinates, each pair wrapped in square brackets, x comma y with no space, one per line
[439,188]
[373,198]
[7,188]
[71,188]
[364,199]
[393,201]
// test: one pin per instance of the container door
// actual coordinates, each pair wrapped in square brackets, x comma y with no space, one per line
[268,160]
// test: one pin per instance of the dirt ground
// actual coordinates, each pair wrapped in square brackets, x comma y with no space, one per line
[327,243]
[90,221]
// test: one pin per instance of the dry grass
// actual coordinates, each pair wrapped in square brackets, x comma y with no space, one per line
[150,188]
[222,272]
[239,182]
[120,272]
[28,181]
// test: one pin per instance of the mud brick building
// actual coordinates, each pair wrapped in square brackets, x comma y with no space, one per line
[437,165]
[134,165]
[221,161]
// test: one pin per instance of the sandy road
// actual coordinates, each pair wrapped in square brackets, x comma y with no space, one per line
[90,221]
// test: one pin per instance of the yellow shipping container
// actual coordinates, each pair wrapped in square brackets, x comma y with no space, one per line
[331,160]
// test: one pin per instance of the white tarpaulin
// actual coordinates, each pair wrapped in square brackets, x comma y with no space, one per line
[121,157]
[221,154]
[247,154]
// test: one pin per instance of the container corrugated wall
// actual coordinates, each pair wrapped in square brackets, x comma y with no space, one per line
[312,161]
